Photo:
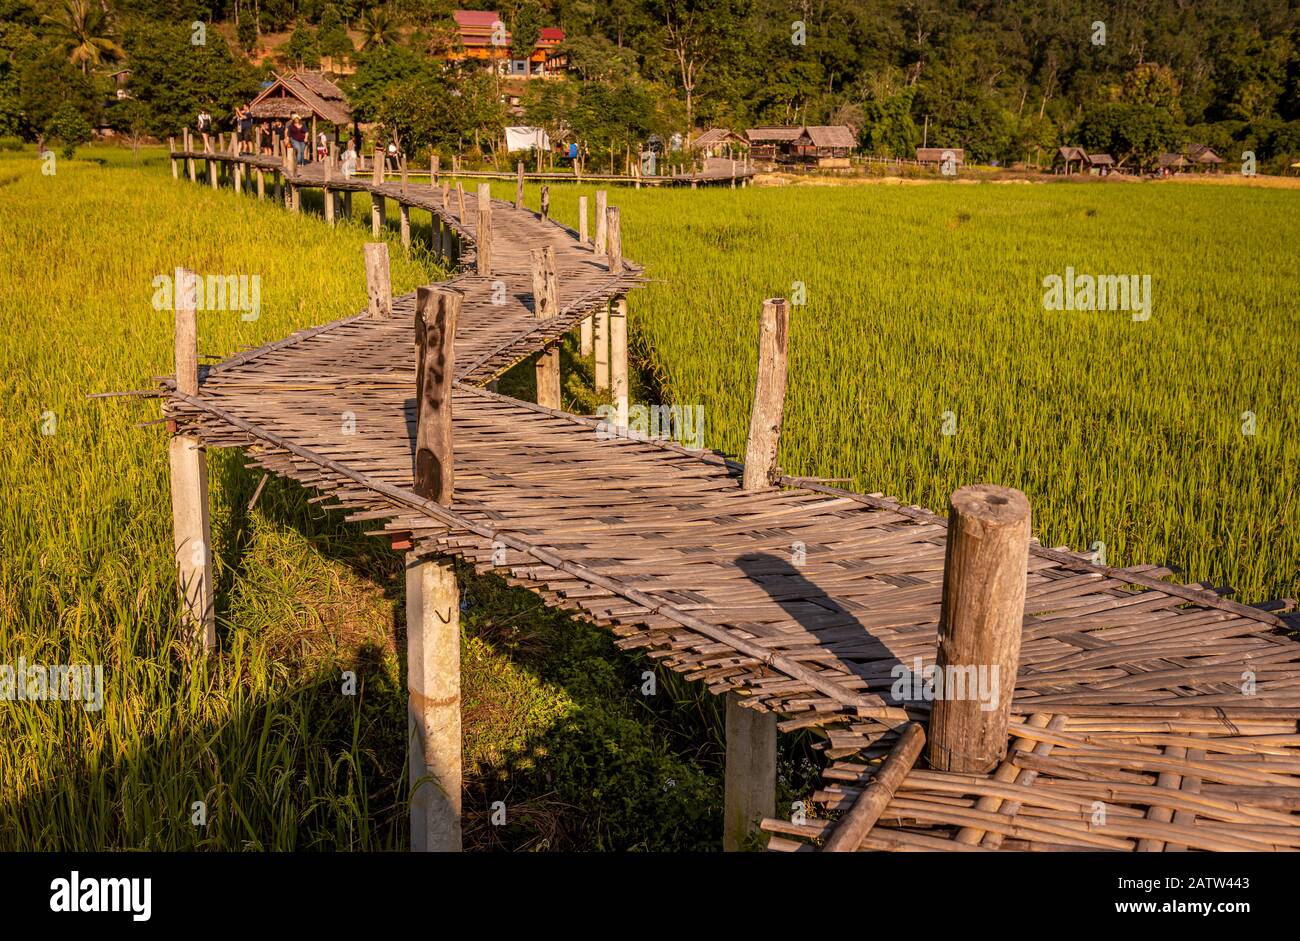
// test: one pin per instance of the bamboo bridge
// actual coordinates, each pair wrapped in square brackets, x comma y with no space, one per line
[1132,713]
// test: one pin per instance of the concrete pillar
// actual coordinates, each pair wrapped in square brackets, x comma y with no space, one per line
[749,790]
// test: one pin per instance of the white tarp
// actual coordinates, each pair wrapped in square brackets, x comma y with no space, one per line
[527,138]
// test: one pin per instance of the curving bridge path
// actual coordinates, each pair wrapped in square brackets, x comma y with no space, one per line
[799,601]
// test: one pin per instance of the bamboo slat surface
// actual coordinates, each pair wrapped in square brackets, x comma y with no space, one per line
[1147,715]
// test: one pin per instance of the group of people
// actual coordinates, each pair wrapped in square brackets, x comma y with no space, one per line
[259,138]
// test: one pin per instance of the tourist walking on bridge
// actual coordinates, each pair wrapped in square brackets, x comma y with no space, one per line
[298,138]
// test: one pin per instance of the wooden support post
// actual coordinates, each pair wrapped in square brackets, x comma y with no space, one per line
[329,204]
[433,173]
[749,786]
[446,196]
[519,186]
[347,204]
[212,169]
[378,214]
[769,395]
[546,306]
[432,598]
[377,174]
[602,348]
[445,236]
[279,186]
[872,800]
[585,344]
[980,622]
[192,529]
[460,198]
[601,222]
[582,221]
[618,358]
[379,285]
[171,149]
[483,234]
[261,184]
[404,212]
[546,202]
[614,235]
[403,162]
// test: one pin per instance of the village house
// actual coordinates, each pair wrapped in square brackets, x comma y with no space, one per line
[771,143]
[824,146]
[1077,160]
[1193,158]
[308,94]
[483,38]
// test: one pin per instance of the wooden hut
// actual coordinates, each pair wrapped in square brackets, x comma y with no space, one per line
[1100,164]
[308,94]
[1172,163]
[1070,160]
[824,146]
[1201,157]
[772,143]
[720,142]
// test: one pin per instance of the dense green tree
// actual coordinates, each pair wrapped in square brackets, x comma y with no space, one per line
[83,31]
[49,84]
[1132,134]
[377,68]
[303,48]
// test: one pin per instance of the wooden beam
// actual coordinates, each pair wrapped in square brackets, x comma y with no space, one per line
[483,234]
[614,234]
[749,784]
[432,597]
[601,222]
[379,285]
[582,221]
[519,186]
[602,348]
[618,359]
[769,395]
[187,461]
[853,827]
[546,306]
[546,202]
[980,622]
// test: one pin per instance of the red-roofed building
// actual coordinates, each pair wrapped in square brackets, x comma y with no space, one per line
[483,37]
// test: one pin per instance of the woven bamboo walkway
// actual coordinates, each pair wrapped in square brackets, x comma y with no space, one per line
[1131,730]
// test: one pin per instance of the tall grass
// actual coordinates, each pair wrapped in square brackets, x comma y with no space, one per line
[262,734]
[926,300]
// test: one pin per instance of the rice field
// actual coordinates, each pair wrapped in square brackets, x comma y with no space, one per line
[923,359]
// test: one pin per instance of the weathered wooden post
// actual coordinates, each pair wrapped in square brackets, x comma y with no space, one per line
[618,358]
[261,184]
[614,243]
[602,348]
[545,306]
[460,198]
[404,218]
[212,168]
[188,462]
[379,285]
[377,171]
[171,149]
[519,186]
[445,237]
[769,395]
[483,234]
[750,785]
[601,222]
[403,166]
[546,202]
[980,622]
[582,221]
[433,172]
[432,598]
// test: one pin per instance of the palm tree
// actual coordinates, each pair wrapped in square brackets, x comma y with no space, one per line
[82,31]
[379,28]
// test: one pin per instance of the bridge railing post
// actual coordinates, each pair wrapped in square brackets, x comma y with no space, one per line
[546,202]
[545,306]
[601,221]
[379,286]
[769,395]
[188,463]
[483,233]
[432,597]
[985,567]
[519,186]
